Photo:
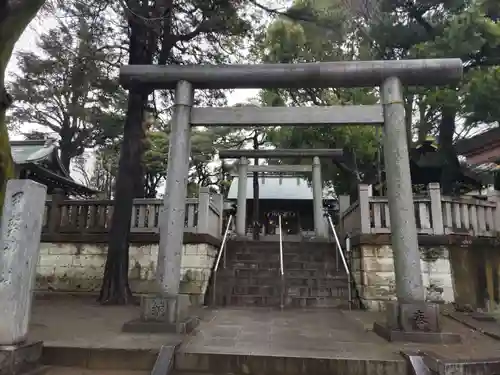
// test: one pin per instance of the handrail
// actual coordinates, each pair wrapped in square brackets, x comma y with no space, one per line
[222,251]
[282,267]
[342,256]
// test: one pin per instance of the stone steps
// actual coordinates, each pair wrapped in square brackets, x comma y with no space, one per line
[251,276]
[272,265]
[275,257]
[229,364]
[99,360]
[257,272]
[289,301]
[334,281]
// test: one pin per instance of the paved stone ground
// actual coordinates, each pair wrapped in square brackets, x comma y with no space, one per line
[319,334]
[293,333]
[82,322]
[53,370]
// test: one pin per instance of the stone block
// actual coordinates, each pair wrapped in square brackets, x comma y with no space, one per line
[413,322]
[421,317]
[19,359]
[394,335]
[191,249]
[378,264]
[385,292]
[89,261]
[94,250]
[379,279]
[164,308]
[384,251]
[163,314]
[61,249]
[157,308]
[20,231]
[392,315]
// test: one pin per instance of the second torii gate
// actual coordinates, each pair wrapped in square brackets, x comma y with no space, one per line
[320,228]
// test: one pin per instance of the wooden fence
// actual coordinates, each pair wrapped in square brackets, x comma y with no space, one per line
[435,214]
[203,215]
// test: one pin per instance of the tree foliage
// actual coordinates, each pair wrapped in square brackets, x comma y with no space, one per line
[15,17]
[66,87]
[391,30]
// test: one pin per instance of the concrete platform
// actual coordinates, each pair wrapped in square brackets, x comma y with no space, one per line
[81,335]
[78,332]
[259,341]
[59,370]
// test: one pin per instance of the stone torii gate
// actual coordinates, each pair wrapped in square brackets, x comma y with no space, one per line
[317,182]
[389,75]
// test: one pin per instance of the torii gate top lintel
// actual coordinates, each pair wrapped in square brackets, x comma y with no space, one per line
[280,153]
[430,72]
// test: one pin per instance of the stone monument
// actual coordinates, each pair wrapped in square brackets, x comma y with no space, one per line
[20,232]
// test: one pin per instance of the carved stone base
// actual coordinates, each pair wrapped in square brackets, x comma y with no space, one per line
[18,359]
[440,365]
[413,322]
[140,326]
[420,337]
[163,314]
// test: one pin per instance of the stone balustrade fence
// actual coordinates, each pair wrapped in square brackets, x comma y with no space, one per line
[435,214]
[203,215]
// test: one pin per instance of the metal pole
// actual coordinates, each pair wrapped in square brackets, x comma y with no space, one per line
[241,212]
[217,261]
[409,285]
[282,266]
[174,202]
[344,260]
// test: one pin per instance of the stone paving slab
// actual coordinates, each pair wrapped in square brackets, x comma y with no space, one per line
[83,323]
[56,370]
[319,334]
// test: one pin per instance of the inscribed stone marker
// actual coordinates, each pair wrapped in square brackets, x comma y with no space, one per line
[20,232]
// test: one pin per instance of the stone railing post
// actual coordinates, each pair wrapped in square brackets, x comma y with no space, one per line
[495,197]
[54,219]
[344,203]
[20,232]
[436,208]
[364,208]
[203,210]
[220,205]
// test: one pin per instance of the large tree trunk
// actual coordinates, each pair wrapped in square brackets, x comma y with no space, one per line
[115,287]
[65,155]
[450,165]
[14,17]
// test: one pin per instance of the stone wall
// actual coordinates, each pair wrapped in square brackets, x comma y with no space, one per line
[373,270]
[75,267]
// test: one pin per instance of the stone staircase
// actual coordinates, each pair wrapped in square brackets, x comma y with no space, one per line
[252,275]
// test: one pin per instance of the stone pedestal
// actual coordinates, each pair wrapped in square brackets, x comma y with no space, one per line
[414,322]
[166,314]
[20,244]
[19,359]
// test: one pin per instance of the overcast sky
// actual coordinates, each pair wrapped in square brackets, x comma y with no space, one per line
[28,41]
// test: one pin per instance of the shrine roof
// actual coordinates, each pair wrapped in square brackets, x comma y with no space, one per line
[478,142]
[31,151]
[42,160]
[278,188]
